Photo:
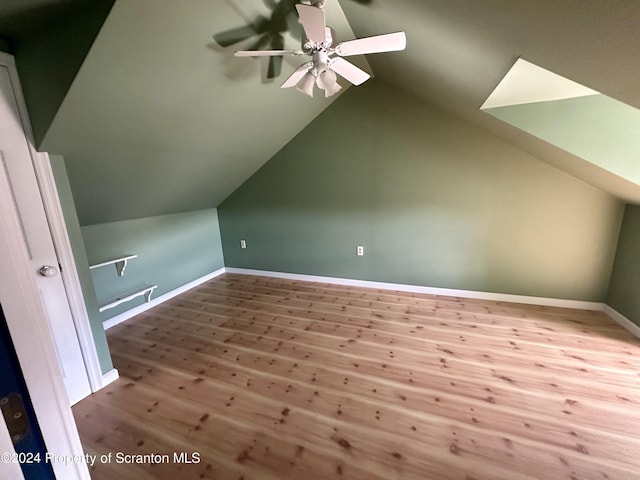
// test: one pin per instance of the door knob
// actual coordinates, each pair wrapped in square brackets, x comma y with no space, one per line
[48,271]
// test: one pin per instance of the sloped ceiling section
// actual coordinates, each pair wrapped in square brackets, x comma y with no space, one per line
[160,119]
[459,50]
[49,39]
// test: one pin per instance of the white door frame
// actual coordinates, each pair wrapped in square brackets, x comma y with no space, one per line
[69,271]
[53,210]
[33,342]
[6,446]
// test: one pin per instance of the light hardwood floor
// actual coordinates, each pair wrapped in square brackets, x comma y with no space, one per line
[273,379]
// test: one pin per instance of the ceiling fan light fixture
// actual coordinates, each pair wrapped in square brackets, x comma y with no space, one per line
[306,84]
[327,78]
[331,91]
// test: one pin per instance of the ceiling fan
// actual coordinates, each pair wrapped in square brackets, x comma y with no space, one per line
[327,55]
[268,31]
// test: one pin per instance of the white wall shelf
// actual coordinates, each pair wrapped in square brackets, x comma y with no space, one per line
[120,263]
[145,290]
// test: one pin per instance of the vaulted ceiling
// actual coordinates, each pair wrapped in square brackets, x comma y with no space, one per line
[160,119]
[460,50]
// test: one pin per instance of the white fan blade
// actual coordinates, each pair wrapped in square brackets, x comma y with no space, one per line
[297,75]
[349,71]
[390,42]
[266,53]
[313,22]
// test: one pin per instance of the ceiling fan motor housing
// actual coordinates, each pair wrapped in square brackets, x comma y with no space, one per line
[321,61]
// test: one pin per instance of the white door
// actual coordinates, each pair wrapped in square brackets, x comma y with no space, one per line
[30,335]
[15,158]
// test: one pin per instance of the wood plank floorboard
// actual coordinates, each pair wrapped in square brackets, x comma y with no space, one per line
[262,378]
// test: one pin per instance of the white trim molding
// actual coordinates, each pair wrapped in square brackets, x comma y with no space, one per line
[110,377]
[30,334]
[621,320]
[497,297]
[10,469]
[107,324]
[69,271]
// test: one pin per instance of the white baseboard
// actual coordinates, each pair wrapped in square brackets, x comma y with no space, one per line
[107,324]
[109,377]
[497,297]
[622,320]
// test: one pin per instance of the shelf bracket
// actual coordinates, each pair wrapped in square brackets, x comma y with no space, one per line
[147,295]
[145,290]
[121,266]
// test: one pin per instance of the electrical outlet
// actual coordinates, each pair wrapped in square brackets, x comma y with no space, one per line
[360,250]
[243,244]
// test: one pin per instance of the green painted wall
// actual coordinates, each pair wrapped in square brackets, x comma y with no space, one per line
[48,59]
[625,278]
[434,200]
[186,120]
[172,251]
[596,128]
[80,258]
